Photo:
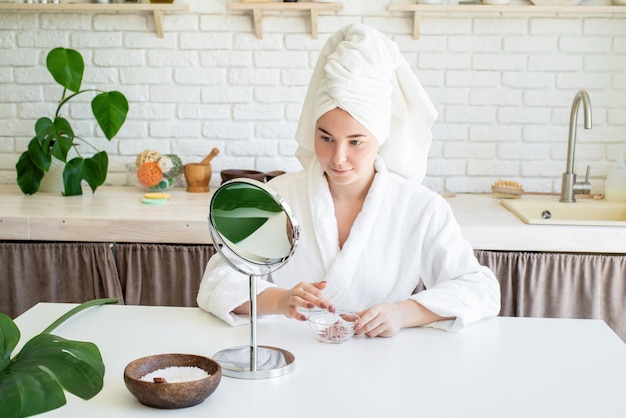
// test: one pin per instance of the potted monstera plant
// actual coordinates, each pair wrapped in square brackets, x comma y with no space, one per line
[55,139]
[34,380]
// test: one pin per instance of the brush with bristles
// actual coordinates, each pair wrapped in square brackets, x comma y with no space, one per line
[506,189]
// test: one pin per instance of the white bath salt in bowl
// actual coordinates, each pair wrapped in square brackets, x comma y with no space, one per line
[175,374]
[172,380]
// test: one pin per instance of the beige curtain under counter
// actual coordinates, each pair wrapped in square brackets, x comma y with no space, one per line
[161,274]
[555,285]
[72,272]
[532,284]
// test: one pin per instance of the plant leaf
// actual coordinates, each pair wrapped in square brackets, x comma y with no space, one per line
[76,365]
[67,67]
[28,174]
[63,138]
[93,170]
[72,177]
[9,337]
[110,110]
[48,364]
[55,138]
[26,394]
[38,155]
[10,401]
[35,379]
[44,131]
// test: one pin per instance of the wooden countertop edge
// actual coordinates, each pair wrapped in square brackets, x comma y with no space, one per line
[122,230]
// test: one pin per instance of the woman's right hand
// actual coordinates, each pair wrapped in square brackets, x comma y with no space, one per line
[288,302]
[304,295]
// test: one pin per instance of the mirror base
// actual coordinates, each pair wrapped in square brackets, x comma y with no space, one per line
[271,362]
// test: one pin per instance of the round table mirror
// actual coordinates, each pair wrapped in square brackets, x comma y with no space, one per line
[255,233]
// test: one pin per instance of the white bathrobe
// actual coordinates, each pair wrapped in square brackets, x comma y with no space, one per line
[405,233]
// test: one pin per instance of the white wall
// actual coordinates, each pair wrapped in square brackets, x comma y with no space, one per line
[503,86]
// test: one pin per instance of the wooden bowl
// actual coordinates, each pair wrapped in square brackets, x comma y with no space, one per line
[171,395]
[235,174]
[271,174]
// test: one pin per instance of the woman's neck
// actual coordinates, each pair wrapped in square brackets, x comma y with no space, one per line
[348,201]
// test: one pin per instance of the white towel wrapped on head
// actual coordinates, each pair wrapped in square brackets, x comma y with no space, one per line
[362,71]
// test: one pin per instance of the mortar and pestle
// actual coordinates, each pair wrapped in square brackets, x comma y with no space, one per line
[198,175]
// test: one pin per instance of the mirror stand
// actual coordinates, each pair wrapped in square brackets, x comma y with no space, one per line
[253,361]
[255,233]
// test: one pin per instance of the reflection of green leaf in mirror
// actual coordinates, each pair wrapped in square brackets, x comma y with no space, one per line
[33,381]
[243,195]
[229,210]
[237,229]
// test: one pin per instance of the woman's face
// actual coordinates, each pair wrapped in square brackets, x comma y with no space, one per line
[345,149]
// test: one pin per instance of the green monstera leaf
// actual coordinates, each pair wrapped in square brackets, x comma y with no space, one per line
[93,170]
[35,379]
[53,138]
[67,67]
[110,110]
[28,174]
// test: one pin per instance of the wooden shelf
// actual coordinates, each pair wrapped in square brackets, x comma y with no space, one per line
[157,10]
[419,9]
[258,9]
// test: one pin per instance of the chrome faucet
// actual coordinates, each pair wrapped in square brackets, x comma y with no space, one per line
[569,187]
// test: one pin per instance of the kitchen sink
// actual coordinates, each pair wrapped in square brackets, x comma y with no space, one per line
[583,212]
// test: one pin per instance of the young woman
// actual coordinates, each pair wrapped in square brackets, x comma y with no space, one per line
[373,239]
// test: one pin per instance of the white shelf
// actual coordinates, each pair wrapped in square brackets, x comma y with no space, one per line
[157,9]
[258,8]
[419,9]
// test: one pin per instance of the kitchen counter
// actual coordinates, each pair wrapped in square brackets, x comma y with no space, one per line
[116,214]
[112,214]
[488,225]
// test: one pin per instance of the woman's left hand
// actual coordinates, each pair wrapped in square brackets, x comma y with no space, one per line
[386,319]
[382,320]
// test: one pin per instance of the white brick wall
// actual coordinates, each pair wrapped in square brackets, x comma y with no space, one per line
[503,86]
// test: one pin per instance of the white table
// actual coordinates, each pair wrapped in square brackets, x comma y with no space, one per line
[503,367]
